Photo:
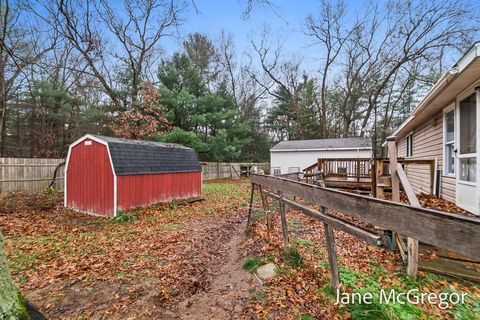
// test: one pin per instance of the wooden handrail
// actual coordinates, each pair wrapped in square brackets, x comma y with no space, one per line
[357,168]
[450,231]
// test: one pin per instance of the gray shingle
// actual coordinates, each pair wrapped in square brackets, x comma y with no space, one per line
[148,157]
[339,143]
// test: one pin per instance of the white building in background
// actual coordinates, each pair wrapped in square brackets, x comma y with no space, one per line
[296,155]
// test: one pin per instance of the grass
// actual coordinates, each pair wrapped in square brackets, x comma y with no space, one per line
[223,188]
[293,257]
[468,311]
[29,251]
[23,262]
[302,242]
[252,264]
[359,282]
[173,226]
[259,296]
[123,217]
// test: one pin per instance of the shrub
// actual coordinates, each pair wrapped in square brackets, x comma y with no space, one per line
[252,264]
[293,257]
[123,217]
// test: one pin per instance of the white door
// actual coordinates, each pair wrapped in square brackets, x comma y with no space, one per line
[466,176]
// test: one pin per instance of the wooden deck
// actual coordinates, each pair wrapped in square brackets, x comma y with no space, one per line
[361,173]
[341,182]
[341,173]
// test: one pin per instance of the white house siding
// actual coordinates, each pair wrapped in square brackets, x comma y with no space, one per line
[304,159]
[427,144]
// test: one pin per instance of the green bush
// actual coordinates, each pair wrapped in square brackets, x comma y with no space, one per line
[252,264]
[293,257]
[123,217]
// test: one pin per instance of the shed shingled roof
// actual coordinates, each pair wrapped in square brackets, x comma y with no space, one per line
[149,157]
[318,144]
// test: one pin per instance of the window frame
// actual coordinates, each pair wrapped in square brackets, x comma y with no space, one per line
[409,146]
[447,110]
[459,108]
[464,95]
[273,169]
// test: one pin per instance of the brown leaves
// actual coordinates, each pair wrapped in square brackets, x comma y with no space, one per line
[167,253]
[143,120]
[429,201]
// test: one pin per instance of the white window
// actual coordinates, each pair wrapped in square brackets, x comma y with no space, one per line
[410,145]
[276,171]
[468,139]
[449,143]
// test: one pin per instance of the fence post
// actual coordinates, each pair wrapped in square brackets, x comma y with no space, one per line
[378,173]
[332,253]
[392,155]
[284,220]
[266,208]
[250,208]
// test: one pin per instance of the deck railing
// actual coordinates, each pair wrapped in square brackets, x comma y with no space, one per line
[356,169]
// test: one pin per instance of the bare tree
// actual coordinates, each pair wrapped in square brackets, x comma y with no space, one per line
[416,31]
[381,55]
[135,28]
[21,45]
[138,29]
[327,31]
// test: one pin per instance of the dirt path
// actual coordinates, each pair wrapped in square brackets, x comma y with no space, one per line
[228,292]
[214,285]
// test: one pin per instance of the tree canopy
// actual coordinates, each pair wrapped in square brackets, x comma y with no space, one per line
[75,67]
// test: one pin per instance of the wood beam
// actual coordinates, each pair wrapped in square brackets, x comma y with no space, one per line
[332,254]
[412,244]
[266,208]
[283,217]
[250,208]
[392,155]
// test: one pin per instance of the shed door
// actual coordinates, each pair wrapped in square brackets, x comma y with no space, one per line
[90,180]
[466,176]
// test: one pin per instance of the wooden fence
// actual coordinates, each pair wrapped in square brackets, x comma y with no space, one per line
[29,174]
[227,170]
[35,174]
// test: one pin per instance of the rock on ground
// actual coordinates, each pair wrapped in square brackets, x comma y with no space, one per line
[267,271]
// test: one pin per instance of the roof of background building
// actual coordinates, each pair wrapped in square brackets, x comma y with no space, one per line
[149,157]
[324,144]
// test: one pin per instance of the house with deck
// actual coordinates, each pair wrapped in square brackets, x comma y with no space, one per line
[296,155]
[445,127]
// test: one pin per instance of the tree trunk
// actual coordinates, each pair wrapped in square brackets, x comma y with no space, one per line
[12,303]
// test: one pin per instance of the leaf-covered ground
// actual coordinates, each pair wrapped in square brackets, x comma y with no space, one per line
[175,261]
[142,264]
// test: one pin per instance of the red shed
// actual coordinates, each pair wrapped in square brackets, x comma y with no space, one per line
[105,174]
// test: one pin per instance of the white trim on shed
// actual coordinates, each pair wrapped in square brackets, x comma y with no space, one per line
[73,144]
